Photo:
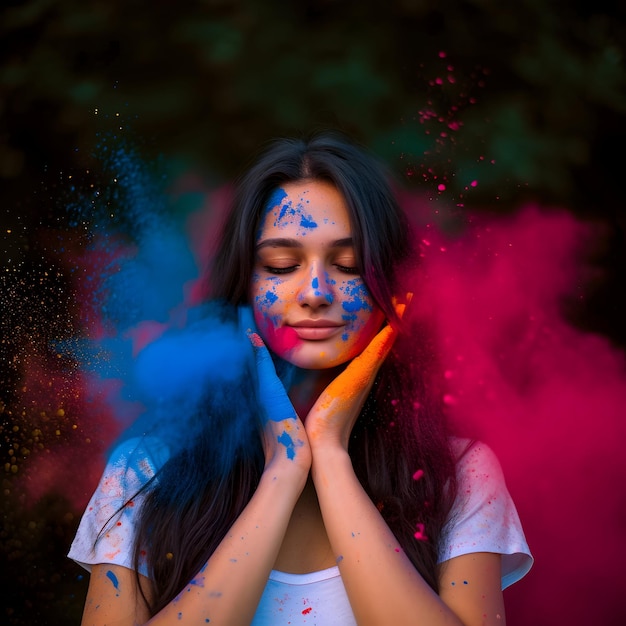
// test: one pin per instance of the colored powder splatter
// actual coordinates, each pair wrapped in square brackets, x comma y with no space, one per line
[286,440]
[276,198]
[419,534]
[358,296]
[307,222]
[354,382]
[545,395]
[288,212]
[113,578]
[284,338]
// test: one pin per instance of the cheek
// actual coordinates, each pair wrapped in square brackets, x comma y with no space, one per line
[363,318]
[269,308]
[264,298]
[356,303]
[281,340]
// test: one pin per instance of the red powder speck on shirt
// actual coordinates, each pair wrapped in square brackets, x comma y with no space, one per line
[307,610]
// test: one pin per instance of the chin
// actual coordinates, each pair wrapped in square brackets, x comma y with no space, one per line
[304,359]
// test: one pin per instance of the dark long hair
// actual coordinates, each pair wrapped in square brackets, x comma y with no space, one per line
[399,445]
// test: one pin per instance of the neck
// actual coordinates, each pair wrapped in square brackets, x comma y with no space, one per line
[307,386]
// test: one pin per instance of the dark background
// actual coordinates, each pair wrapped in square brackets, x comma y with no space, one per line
[538,87]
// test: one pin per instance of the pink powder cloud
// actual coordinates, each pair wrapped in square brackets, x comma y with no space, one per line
[549,398]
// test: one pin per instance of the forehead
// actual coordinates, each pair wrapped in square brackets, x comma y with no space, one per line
[305,208]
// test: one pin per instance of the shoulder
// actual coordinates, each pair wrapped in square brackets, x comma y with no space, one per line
[142,456]
[116,503]
[131,464]
[480,481]
[484,517]
[476,463]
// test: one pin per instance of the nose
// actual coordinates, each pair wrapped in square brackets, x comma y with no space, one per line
[317,289]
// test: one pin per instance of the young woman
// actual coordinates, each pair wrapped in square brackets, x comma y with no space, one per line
[314,481]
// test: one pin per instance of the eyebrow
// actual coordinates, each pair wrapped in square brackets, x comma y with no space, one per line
[280,242]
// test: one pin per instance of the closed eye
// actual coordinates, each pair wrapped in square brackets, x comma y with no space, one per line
[280,270]
[347,270]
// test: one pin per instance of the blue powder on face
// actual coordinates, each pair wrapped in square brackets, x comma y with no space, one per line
[283,211]
[276,199]
[358,294]
[307,222]
[270,298]
[356,305]
[287,209]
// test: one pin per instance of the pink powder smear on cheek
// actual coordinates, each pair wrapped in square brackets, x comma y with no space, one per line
[548,397]
[282,339]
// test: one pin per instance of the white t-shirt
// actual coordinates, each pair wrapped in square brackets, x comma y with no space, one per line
[483,519]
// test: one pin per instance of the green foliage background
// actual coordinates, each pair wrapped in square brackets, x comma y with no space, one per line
[539,90]
[538,86]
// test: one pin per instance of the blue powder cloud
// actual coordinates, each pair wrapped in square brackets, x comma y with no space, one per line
[177,367]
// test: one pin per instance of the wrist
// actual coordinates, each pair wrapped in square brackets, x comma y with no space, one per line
[330,460]
[289,474]
[325,441]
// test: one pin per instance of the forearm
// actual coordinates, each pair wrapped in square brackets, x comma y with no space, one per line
[381,582]
[228,588]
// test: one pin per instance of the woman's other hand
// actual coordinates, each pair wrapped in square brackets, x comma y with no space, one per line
[332,417]
[285,438]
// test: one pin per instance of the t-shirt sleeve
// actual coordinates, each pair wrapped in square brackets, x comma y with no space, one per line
[106,530]
[484,517]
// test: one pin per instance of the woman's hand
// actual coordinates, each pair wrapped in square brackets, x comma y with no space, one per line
[332,417]
[285,437]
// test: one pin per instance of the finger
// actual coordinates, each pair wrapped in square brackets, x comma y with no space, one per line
[363,366]
[400,307]
[272,393]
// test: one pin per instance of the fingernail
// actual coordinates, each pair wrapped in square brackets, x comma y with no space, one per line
[255,339]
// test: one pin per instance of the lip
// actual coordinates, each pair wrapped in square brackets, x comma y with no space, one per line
[316,330]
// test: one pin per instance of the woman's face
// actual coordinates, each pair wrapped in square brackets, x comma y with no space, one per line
[310,303]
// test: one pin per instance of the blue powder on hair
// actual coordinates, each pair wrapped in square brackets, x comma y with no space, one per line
[276,198]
